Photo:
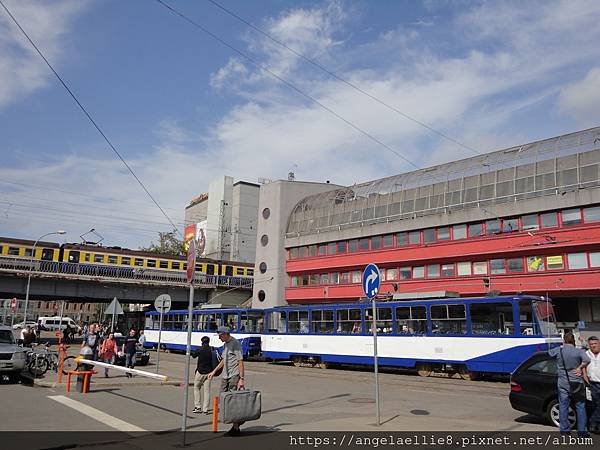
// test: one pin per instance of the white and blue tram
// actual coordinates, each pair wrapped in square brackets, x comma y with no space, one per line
[245,325]
[457,335]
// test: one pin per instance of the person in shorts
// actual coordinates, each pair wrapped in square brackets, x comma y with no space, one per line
[232,364]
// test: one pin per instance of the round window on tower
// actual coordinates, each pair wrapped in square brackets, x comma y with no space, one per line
[262,267]
[266,213]
[261,296]
[264,240]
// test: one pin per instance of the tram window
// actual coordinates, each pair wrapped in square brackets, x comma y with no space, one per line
[334,278]
[322,250]
[498,266]
[509,225]
[353,246]
[388,240]
[210,322]
[73,256]
[231,321]
[356,276]
[293,252]
[363,244]
[535,264]
[411,320]
[414,237]
[443,233]
[376,242]
[47,254]
[228,271]
[405,273]
[492,226]
[163,264]
[475,229]
[391,274]
[448,270]
[549,220]
[87,256]
[302,252]
[571,216]
[459,231]
[139,262]
[401,239]
[554,262]
[527,324]
[429,235]
[530,222]
[298,322]
[332,248]
[175,265]
[342,247]
[515,265]
[418,272]
[345,278]
[98,258]
[112,259]
[251,322]
[448,319]
[125,260]
[591,214]
[595,259]
[491,318]
[480,268]
[28,252]
[384,320]
[433,270]
[463,268]
[210,269]
[322,321]
[312,250]
[250,272]
[276,322]
[13,251]
[348,321]
[151,263]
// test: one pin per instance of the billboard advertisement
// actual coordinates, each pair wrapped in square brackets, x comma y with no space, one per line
[197,232]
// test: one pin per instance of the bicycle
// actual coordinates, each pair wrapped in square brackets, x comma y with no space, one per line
[39,361]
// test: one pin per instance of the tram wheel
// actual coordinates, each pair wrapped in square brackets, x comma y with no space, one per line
[297,360]
[323,365]
[424,370]
[467,374]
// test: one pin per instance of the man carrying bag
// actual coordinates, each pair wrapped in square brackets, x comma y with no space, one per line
[571,361]
[237,404]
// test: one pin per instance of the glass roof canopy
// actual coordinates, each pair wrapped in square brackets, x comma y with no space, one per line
[547,167]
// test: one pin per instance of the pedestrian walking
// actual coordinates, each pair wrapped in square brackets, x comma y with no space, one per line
[108,351]
[92,340]
[207,362]
[593,378]
[129,348]
[571,363]
[232,364]
[142,339]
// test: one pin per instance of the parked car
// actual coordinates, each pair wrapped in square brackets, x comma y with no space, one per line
[12,356]
[533,389]
[142,356]
[21,325]
[56,324]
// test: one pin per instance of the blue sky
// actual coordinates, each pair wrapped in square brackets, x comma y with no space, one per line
[183,109]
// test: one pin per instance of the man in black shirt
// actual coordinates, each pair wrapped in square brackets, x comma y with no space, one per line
[206,359]
[129,348]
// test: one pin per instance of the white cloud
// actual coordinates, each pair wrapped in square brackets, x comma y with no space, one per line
[22,71]
[582,99]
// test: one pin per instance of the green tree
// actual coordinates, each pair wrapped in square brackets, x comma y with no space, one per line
[168,244]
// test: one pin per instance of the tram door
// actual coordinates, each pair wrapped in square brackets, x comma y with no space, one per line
[47,254]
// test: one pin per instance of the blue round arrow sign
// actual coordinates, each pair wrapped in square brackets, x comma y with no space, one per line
[371,280]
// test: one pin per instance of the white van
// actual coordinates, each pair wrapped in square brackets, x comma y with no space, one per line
[54,324]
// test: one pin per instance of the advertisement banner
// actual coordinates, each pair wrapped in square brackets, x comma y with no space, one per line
[188,235]
[201,238]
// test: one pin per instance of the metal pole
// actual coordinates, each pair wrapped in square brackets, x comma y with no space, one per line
[159,334]
[375,362]
[188,353]
[62,309]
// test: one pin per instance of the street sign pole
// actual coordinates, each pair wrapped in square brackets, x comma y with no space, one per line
[191,267]
[371,281]
[158,347]
[375,362]
[163,305]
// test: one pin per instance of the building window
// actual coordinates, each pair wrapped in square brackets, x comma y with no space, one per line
[530,222]
[332,248]
[342,247]
[363,244]
[595,259]
[429,235]
[324,278]
[312,250]
[391,274]
[353,246]
[401,239]
[480,268]
[418,272]
[266,213]
[376,242]
[264,240]
[475,229]
[303,252]
[549,220]
[433,270]
[356,276]
[294,281]
[345,278]
[463,268]
[577,260]
[414,237]
[571,216]
[498,266]
[304,280]
[405,273]
[515,265]
[388,240]
[322,250]
[443,233]
[334,278]
[447,270]
[492,226]
[510,225]
[554,262]
[459,231]
[591,214]
[293,252]
[535,264]
[313,279]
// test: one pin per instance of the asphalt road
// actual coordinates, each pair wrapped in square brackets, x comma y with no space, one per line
[293,399]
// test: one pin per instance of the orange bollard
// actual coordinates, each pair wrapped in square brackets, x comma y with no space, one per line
[215,421]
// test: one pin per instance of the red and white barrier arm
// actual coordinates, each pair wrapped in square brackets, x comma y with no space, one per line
[142,373]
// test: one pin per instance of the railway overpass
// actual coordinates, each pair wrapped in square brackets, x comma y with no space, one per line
[90,283]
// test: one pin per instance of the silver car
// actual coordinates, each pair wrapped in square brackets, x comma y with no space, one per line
[12,356]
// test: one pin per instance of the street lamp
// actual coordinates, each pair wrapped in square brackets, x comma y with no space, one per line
[31,269]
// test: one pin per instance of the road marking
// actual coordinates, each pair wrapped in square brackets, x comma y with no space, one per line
[96,414]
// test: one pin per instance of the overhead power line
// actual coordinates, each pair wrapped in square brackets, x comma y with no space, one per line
[288,84]
[87,114]
[341,79]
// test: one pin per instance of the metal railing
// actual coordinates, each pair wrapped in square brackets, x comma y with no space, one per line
[75,270]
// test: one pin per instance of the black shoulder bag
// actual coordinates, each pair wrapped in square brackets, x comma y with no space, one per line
[576,389]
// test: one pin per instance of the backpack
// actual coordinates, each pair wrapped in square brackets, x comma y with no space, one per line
[216,359]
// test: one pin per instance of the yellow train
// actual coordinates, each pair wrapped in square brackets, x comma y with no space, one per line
[117,256]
